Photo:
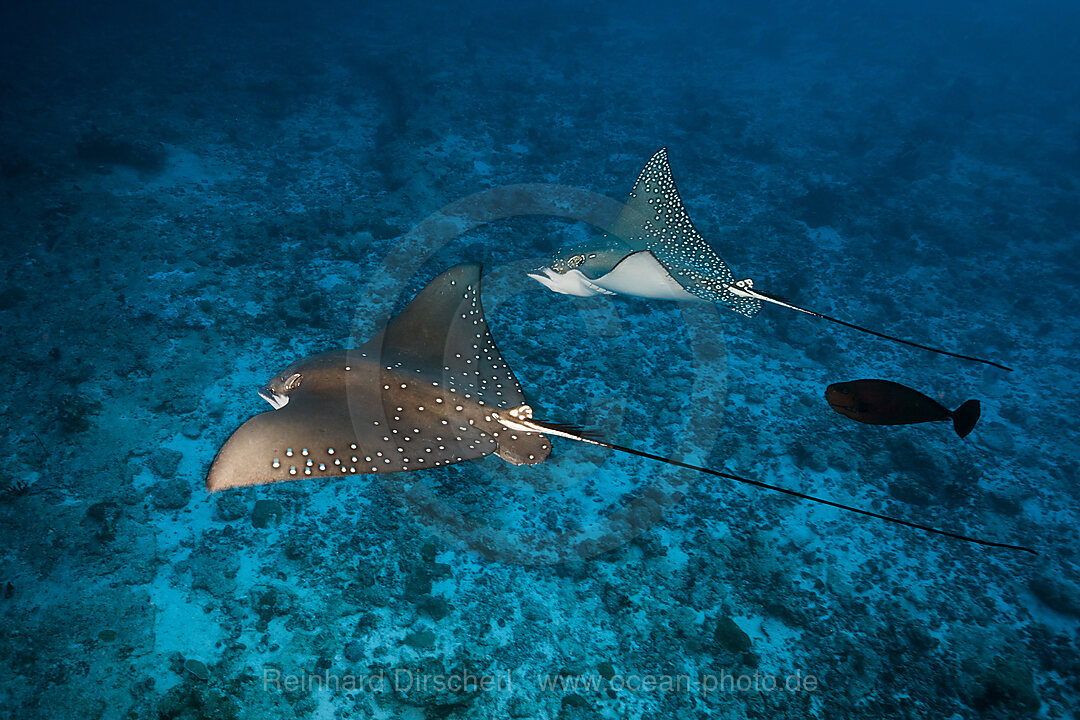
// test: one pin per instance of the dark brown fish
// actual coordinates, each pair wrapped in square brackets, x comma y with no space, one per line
[883,402]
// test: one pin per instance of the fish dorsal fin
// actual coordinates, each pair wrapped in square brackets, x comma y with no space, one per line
[443,335]
[654,219]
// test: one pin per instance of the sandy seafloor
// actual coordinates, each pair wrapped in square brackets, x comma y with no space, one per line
[196,195]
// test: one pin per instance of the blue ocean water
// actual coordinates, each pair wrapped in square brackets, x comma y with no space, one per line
[193,195]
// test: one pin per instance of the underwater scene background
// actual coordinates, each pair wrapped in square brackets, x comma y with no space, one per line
[193,195]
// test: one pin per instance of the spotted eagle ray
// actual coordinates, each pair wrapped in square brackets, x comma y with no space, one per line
[654,251]
[430,390]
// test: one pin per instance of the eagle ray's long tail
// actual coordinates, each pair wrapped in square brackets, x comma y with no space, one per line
[574,433]
[745,288]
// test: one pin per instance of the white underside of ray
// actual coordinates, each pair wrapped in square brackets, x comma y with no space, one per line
[572,282]
[639,274]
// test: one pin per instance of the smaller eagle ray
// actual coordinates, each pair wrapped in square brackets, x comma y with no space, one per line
[654,251]
[430,390]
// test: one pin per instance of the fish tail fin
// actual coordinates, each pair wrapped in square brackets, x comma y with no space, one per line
[965,417]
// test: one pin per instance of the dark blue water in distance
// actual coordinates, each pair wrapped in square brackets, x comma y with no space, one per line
[194,195]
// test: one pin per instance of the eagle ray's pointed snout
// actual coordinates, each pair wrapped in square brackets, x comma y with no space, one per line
[278,400]
[544,277]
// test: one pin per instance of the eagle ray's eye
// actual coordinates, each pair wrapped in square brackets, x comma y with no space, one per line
[293,382]
[575,260]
